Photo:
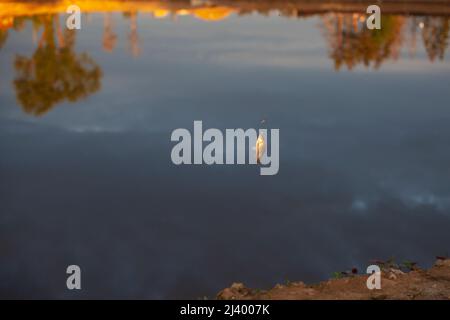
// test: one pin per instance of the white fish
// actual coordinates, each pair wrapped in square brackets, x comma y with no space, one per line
[260,148]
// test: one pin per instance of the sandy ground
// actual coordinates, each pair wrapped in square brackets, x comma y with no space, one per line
[433,283]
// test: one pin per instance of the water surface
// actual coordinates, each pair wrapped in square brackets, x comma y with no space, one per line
[85,171]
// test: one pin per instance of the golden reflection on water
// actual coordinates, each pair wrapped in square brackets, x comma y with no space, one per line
[56,73]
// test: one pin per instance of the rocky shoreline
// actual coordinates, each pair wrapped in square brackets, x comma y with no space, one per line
[396,284]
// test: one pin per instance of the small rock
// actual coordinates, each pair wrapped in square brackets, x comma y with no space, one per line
[441,262]
[396,271]
[237,286]
[226,294]
[236,291]
[298,284]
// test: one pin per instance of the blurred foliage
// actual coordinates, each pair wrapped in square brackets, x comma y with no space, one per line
[54,72]
[3,37]
[369,47]
[435,36]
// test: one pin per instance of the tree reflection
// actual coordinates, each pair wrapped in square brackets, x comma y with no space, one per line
[3,37]
[54,72]
[351,43]
[435,36]
[133,37]
[109,37]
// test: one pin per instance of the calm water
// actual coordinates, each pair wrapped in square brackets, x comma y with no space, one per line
[85,170]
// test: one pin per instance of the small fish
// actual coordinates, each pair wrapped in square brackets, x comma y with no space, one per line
[260,147]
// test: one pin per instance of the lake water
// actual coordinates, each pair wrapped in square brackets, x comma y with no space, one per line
[86,176]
